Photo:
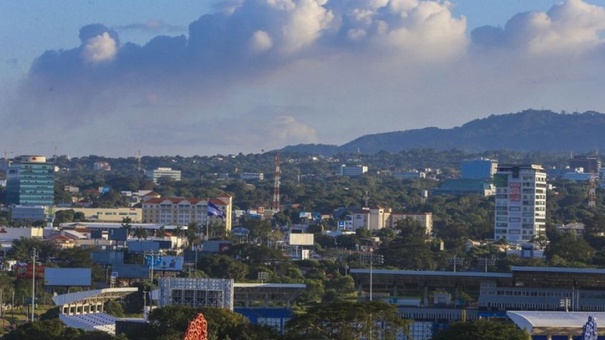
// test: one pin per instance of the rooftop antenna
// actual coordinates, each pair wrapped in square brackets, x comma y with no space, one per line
[138,157]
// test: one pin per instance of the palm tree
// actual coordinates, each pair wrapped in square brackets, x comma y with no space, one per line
[127,224]
[140,233]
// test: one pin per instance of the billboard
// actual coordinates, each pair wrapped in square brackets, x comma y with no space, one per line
[68,277]
[240,231]
[118,234]
[107,257]
[305,239]
[140,246]
[130,271]
[24,271]
[96,234]
[164,262]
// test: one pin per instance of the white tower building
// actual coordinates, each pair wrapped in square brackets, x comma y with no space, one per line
[520,202]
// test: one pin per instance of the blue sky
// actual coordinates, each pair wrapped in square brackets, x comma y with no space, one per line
[200,77]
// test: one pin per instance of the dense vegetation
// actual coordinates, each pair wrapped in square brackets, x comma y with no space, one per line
[311,184]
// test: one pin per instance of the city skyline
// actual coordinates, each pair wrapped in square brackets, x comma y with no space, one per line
[207,78]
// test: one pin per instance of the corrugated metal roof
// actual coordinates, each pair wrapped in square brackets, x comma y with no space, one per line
[568,321]
[107,293]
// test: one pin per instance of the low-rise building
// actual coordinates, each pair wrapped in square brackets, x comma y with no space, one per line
[107,214]
[158,173]
[461,187]
[353,170]
[252,176]
[182,211]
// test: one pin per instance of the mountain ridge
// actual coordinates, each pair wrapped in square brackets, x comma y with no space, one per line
[528,130]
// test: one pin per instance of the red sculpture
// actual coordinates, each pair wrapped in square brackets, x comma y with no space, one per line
[198,329]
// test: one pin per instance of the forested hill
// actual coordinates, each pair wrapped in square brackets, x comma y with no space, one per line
[529,130]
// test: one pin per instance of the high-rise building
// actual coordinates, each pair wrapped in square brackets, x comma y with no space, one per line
[30,180]
[520,202]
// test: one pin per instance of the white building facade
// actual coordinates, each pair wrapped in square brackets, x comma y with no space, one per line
[520,202]
[158,173]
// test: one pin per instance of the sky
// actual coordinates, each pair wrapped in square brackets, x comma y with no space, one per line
[115,78]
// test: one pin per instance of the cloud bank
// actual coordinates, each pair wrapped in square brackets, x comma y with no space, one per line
[264,74]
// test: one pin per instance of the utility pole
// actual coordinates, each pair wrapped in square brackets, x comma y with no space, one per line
[455,261]
[372,259]
[34,256]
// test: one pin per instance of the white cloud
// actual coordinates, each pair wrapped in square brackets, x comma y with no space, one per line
[569,28]
[279,72]
[260,42]
[308,18]
[100,49]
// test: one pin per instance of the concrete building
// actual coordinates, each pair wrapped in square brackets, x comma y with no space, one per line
[378,218]
[578,175]
[31,213]
[353,170]
[520,212]
[414,174]
[182,211]
[590,164]
[482,168]
[108,214]
[101,166]
[465,186]
[158,173]
[252,176]
[425,219]
[30,181]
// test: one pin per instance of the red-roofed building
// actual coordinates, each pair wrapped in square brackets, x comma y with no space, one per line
[182,211]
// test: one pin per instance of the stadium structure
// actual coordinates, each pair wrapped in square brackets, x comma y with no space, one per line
[550,302]
[85,309]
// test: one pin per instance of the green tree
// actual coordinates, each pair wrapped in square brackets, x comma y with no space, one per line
[63,216]
[22,248]
[114,308]
[171,322]
[482,330]
[140,233]
[348,320]
[127,224]
[74,258]
[410,249]
[223,267]
[568,247]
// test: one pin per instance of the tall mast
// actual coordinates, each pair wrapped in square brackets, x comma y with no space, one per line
[276,183]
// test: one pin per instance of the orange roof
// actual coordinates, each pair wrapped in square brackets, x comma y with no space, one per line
[176,200]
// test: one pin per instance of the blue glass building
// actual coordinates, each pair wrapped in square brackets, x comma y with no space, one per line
[30,181]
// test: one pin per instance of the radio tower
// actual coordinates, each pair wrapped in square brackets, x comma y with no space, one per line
[138,165]
[275,204]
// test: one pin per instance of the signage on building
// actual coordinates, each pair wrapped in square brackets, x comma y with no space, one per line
[514,191]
